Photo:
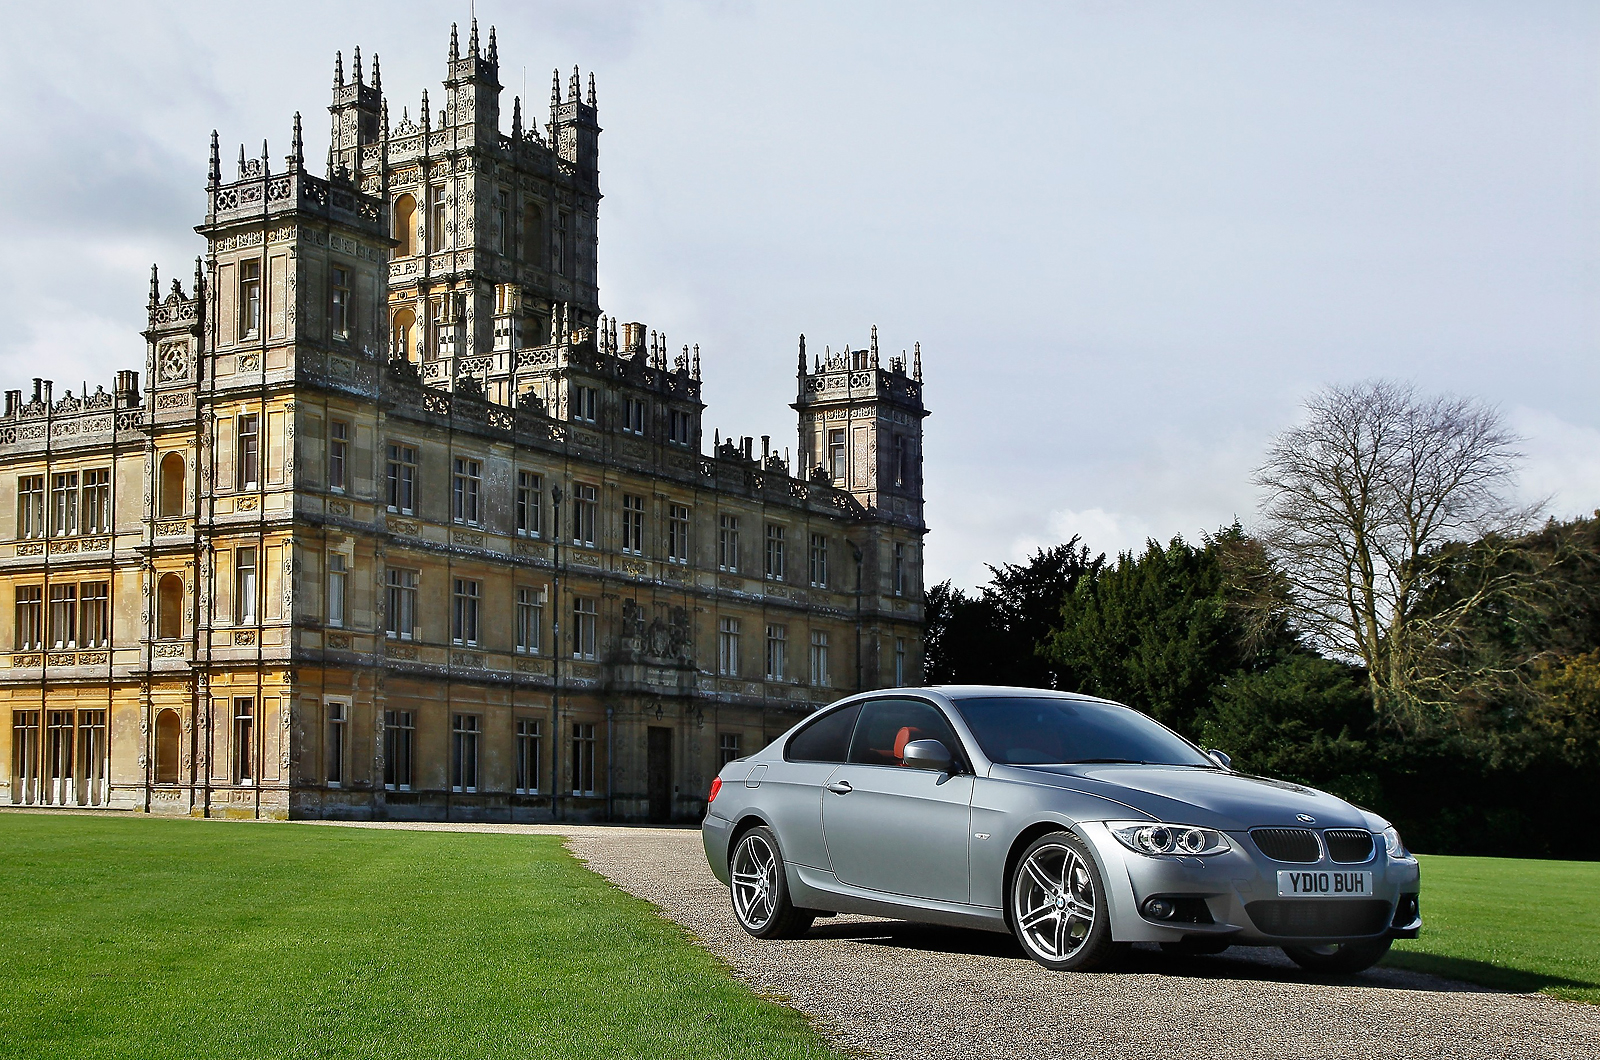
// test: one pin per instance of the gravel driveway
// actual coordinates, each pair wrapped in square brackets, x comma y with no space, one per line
[900,990]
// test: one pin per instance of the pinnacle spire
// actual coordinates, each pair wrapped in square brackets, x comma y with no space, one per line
[494,49]
[591,88]
[455,44]
[802,353]
[355,64]
[199,278]
[472,41]
[874,345]
[155,286]
[572,86]
[555,92]
[516,113]
[216,160]
[338,69]
[297,156]
[377,75]
[917,372]
[425,118]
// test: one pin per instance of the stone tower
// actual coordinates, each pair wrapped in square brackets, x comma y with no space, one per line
[496,234]
[861,427]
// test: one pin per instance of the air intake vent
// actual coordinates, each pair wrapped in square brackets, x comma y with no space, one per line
[1298,845]
[1311,918]
[1348,846]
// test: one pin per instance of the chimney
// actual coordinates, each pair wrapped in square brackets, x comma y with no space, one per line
[13,402]
[127,389]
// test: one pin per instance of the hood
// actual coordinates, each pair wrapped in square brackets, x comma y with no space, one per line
[1211,798]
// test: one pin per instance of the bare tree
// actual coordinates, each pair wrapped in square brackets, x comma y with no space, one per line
[1361,494]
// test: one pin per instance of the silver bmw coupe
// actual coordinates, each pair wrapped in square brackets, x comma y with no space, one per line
[1077,824]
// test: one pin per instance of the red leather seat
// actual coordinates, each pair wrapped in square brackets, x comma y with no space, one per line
[906,734]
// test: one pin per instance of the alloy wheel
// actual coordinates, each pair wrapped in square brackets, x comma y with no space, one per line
[1054,900]
[755,882]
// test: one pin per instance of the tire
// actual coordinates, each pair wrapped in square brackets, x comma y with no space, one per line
[1345,958]
[1056,904]
[758,887]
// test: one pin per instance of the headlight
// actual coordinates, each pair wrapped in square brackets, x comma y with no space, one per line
[1391,840]
[1144,837]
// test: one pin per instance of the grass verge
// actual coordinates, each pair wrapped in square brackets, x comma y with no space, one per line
[189,939]
[1509,923]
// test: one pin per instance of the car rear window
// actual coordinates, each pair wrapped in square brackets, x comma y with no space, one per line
[825,740]
[1045,730]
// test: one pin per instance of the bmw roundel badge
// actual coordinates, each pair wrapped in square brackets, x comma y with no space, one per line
[1305,818]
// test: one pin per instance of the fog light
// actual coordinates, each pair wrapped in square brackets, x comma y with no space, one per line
[1160,908]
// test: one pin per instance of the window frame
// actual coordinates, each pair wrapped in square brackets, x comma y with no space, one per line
[729,630]
[585,626]
[339,305]
[633,524]
[466,608]
[530,504]
[466,491]
[680,518]
[728,542]
[777,651]
[249,298]
[530,619]
[399,748]
[338,454]
[400,598]
[338,589]
[247,450]
[401,477]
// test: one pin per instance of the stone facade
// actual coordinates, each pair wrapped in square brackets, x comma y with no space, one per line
[404,526]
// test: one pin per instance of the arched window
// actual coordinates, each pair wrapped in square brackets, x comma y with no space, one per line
[169,607]
[403,341]
[168,730]
[405,226]
[172,484]
[533,235]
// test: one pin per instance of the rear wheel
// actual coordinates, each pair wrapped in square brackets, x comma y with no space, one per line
[759,887]
[1344,958]
[1057,906]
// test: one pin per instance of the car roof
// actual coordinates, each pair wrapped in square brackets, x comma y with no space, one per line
[1011,691]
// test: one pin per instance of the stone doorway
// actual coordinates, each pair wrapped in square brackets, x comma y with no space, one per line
[659,774]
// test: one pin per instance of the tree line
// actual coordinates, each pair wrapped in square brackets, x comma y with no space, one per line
[1392,630]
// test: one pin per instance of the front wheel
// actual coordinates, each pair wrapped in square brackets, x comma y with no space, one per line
[760,888]
[1344,958]
[1057,905]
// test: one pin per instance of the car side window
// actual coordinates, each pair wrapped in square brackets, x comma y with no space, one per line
[887,725]
[825,740]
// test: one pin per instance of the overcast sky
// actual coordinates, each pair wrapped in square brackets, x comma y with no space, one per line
[1131,237]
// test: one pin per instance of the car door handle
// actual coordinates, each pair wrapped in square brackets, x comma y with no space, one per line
[840,787]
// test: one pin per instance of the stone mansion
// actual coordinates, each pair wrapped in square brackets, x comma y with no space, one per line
[400,524]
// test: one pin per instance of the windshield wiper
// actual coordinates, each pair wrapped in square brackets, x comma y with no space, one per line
[1107,761]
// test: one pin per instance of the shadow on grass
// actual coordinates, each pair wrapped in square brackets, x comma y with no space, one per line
[1494,975]
[1247,963]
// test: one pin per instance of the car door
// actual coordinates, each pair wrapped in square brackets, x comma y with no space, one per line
[792,794]
[896,828]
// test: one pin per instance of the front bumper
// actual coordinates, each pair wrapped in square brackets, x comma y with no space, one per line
[1235,894]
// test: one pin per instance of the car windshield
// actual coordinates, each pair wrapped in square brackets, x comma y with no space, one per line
[1045,730]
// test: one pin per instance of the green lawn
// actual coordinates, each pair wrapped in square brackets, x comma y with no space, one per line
[186,939]
[1510,923]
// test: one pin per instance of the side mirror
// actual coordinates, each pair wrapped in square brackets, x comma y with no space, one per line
[927,754]
[1220,758]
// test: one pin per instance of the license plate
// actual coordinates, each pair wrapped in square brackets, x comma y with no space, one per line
[1319,884]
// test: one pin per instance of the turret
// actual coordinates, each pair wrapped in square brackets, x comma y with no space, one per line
[860,427]
[575,126]
[357,112]
[472,84]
